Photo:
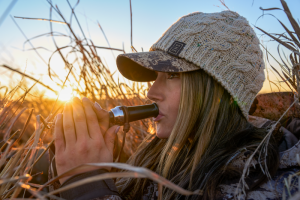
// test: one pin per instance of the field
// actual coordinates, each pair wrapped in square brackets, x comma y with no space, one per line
[27,117]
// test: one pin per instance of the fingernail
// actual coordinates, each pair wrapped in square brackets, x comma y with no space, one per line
[117,130]
[97,106]
[84,98]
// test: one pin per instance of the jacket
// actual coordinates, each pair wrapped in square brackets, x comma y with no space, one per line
[276,188]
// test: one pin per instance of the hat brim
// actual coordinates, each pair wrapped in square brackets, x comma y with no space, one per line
[141,66]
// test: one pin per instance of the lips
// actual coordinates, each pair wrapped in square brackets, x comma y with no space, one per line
[159,116]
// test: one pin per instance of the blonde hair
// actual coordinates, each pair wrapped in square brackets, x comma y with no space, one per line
[205,105]
[200,143]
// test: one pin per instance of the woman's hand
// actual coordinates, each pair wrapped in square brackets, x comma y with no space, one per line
[82,136]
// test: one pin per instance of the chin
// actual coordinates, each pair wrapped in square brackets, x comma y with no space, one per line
[162,131]
[162,134]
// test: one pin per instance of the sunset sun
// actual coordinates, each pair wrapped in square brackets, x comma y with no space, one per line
[65,94]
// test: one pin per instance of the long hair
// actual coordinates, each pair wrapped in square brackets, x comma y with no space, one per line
[209,130]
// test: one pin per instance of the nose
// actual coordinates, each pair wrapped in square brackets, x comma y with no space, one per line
[155,93]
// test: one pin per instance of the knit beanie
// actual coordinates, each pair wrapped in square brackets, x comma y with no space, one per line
[222,44]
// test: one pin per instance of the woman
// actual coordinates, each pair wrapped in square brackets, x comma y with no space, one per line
[207,68]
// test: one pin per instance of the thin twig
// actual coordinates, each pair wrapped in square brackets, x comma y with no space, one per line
[42,19]
[30,77]
[131,43]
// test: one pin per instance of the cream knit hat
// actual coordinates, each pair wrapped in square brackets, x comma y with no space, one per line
[222,44]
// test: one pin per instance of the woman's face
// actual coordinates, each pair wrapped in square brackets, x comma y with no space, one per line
[166,93]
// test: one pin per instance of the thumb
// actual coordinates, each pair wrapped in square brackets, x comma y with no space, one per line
[109,137]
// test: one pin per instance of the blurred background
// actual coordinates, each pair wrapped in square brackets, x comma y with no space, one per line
[149,21]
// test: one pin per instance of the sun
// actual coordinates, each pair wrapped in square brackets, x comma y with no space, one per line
[65,94]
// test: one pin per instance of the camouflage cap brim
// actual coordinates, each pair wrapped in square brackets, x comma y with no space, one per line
[141,66]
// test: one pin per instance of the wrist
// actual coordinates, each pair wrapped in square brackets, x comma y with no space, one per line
[95,189]
[85,171]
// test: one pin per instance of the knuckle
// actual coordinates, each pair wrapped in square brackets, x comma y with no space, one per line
[79,118]
[91,118]
[102,146]
[93,122]
[106,115]
[68,127]
[58,142]
[103,116]
[59,148]
[60,160]
[101,112]
[83,148]
[111,140]
[98,143]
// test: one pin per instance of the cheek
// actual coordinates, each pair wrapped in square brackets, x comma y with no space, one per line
[174,106]
[172,101]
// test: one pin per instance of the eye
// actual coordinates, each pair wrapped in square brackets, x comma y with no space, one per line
[173,75]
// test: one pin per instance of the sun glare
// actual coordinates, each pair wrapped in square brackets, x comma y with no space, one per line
[66,94]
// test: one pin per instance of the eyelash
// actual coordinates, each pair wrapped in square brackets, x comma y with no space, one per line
[172,75]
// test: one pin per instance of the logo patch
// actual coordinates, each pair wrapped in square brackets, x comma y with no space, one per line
[176,48]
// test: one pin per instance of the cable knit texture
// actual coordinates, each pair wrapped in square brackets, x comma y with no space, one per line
[225,46]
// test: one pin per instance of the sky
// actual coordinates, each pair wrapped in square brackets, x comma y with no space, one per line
[150,20]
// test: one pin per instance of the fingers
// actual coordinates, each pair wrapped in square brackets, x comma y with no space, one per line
[92,121]
[59,134]
[103,117]
[109,137]
[68,124]
[80,120]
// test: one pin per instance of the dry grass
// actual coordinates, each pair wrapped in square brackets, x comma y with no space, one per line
[25,140]
[289,65]
[289,75]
